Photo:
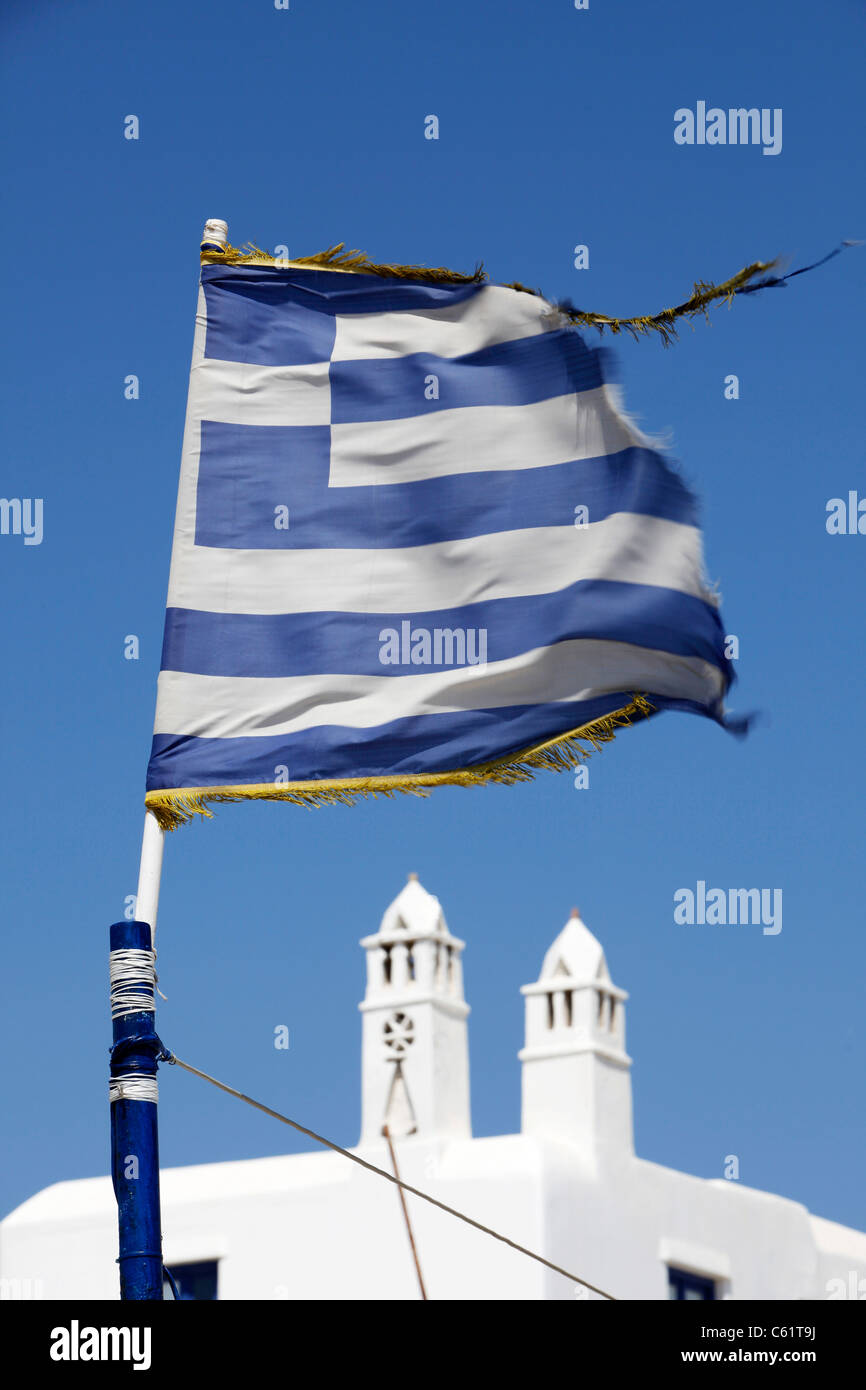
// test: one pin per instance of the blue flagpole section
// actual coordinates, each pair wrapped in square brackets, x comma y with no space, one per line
[133,1090]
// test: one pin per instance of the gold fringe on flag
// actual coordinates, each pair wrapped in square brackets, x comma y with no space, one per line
[704,292]
[336,258]
[561,754]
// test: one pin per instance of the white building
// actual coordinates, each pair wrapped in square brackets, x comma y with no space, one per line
[569,1186]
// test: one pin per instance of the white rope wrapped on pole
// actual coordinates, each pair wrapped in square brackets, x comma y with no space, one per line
[133,1087]
[132,977]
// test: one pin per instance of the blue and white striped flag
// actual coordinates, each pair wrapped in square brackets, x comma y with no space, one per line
[417,541]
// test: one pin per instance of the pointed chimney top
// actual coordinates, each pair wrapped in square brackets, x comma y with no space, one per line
[414,913]
[575,953]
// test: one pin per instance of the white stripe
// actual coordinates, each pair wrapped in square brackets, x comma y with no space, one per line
[472,439]
[230,706]
[238,393]
[415,579]
[493,315]
[478,439]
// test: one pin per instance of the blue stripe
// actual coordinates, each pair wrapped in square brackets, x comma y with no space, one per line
[519,372]
[247,471]
[281,318]
[422,743]
[305,644]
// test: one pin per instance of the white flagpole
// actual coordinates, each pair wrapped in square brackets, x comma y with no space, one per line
[149,873]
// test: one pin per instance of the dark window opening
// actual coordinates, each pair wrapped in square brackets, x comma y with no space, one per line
[195,1283]
[682,1284]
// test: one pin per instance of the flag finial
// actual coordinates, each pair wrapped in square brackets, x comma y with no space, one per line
[215,234]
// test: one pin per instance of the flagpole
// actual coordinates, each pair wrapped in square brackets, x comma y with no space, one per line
[133,1091]
[133,1086]
[149,874]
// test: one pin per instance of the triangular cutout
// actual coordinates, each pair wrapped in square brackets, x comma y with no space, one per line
[399,1115]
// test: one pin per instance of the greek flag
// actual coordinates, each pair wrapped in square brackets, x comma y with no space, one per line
[417,541]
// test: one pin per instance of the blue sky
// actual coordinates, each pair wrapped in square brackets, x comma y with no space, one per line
[303,128]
